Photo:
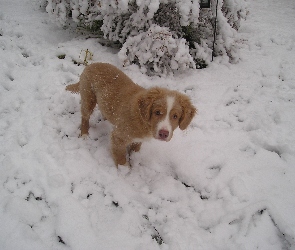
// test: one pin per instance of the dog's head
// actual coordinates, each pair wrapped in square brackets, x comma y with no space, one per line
[165,110]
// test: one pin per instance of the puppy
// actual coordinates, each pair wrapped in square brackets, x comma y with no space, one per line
[136,113]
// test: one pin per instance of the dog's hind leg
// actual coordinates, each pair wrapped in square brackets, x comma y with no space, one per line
[88,102]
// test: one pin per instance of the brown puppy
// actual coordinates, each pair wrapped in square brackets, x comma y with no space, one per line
[136,113]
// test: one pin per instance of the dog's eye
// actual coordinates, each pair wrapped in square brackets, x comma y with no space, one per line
[175,116]
[158,112]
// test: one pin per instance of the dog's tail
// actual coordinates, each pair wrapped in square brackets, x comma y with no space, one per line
[74,88]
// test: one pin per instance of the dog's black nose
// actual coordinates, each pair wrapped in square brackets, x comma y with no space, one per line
[163,134]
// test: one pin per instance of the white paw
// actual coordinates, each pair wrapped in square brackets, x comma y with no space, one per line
[123,171]
[85,136]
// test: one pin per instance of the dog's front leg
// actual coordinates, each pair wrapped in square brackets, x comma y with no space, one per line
[119,148]
[135,146]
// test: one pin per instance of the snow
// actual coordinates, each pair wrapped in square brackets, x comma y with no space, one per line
[227,182]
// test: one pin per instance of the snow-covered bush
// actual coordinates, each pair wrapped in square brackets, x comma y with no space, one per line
[157,52]
[160,36]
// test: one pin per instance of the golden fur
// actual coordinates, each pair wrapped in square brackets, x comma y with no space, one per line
[134,111]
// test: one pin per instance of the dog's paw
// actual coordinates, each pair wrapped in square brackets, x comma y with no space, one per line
[125,169]
[84,137]
[126,164]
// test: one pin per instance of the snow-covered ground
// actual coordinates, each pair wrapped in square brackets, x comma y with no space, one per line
[228,182]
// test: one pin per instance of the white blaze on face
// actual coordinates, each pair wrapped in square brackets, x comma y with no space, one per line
[165,124]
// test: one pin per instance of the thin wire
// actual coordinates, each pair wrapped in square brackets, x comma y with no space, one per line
[214,35]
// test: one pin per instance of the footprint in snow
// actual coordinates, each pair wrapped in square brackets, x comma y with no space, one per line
[213,172]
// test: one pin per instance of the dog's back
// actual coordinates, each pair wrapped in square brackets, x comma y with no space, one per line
[109,87]
[112,88]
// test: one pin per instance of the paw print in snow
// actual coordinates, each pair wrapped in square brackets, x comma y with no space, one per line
[213,172]
[17,183]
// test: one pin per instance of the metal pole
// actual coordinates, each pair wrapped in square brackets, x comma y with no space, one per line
[214,34]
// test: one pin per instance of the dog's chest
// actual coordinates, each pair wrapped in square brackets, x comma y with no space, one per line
[141,140]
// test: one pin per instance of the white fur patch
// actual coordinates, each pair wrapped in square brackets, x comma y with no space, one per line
[141,140]
[166,124]
[85,136]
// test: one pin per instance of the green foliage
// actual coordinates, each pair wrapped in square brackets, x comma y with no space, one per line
[93,27]
[168,16]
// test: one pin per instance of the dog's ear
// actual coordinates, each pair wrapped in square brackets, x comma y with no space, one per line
[188,112]
[145,102]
